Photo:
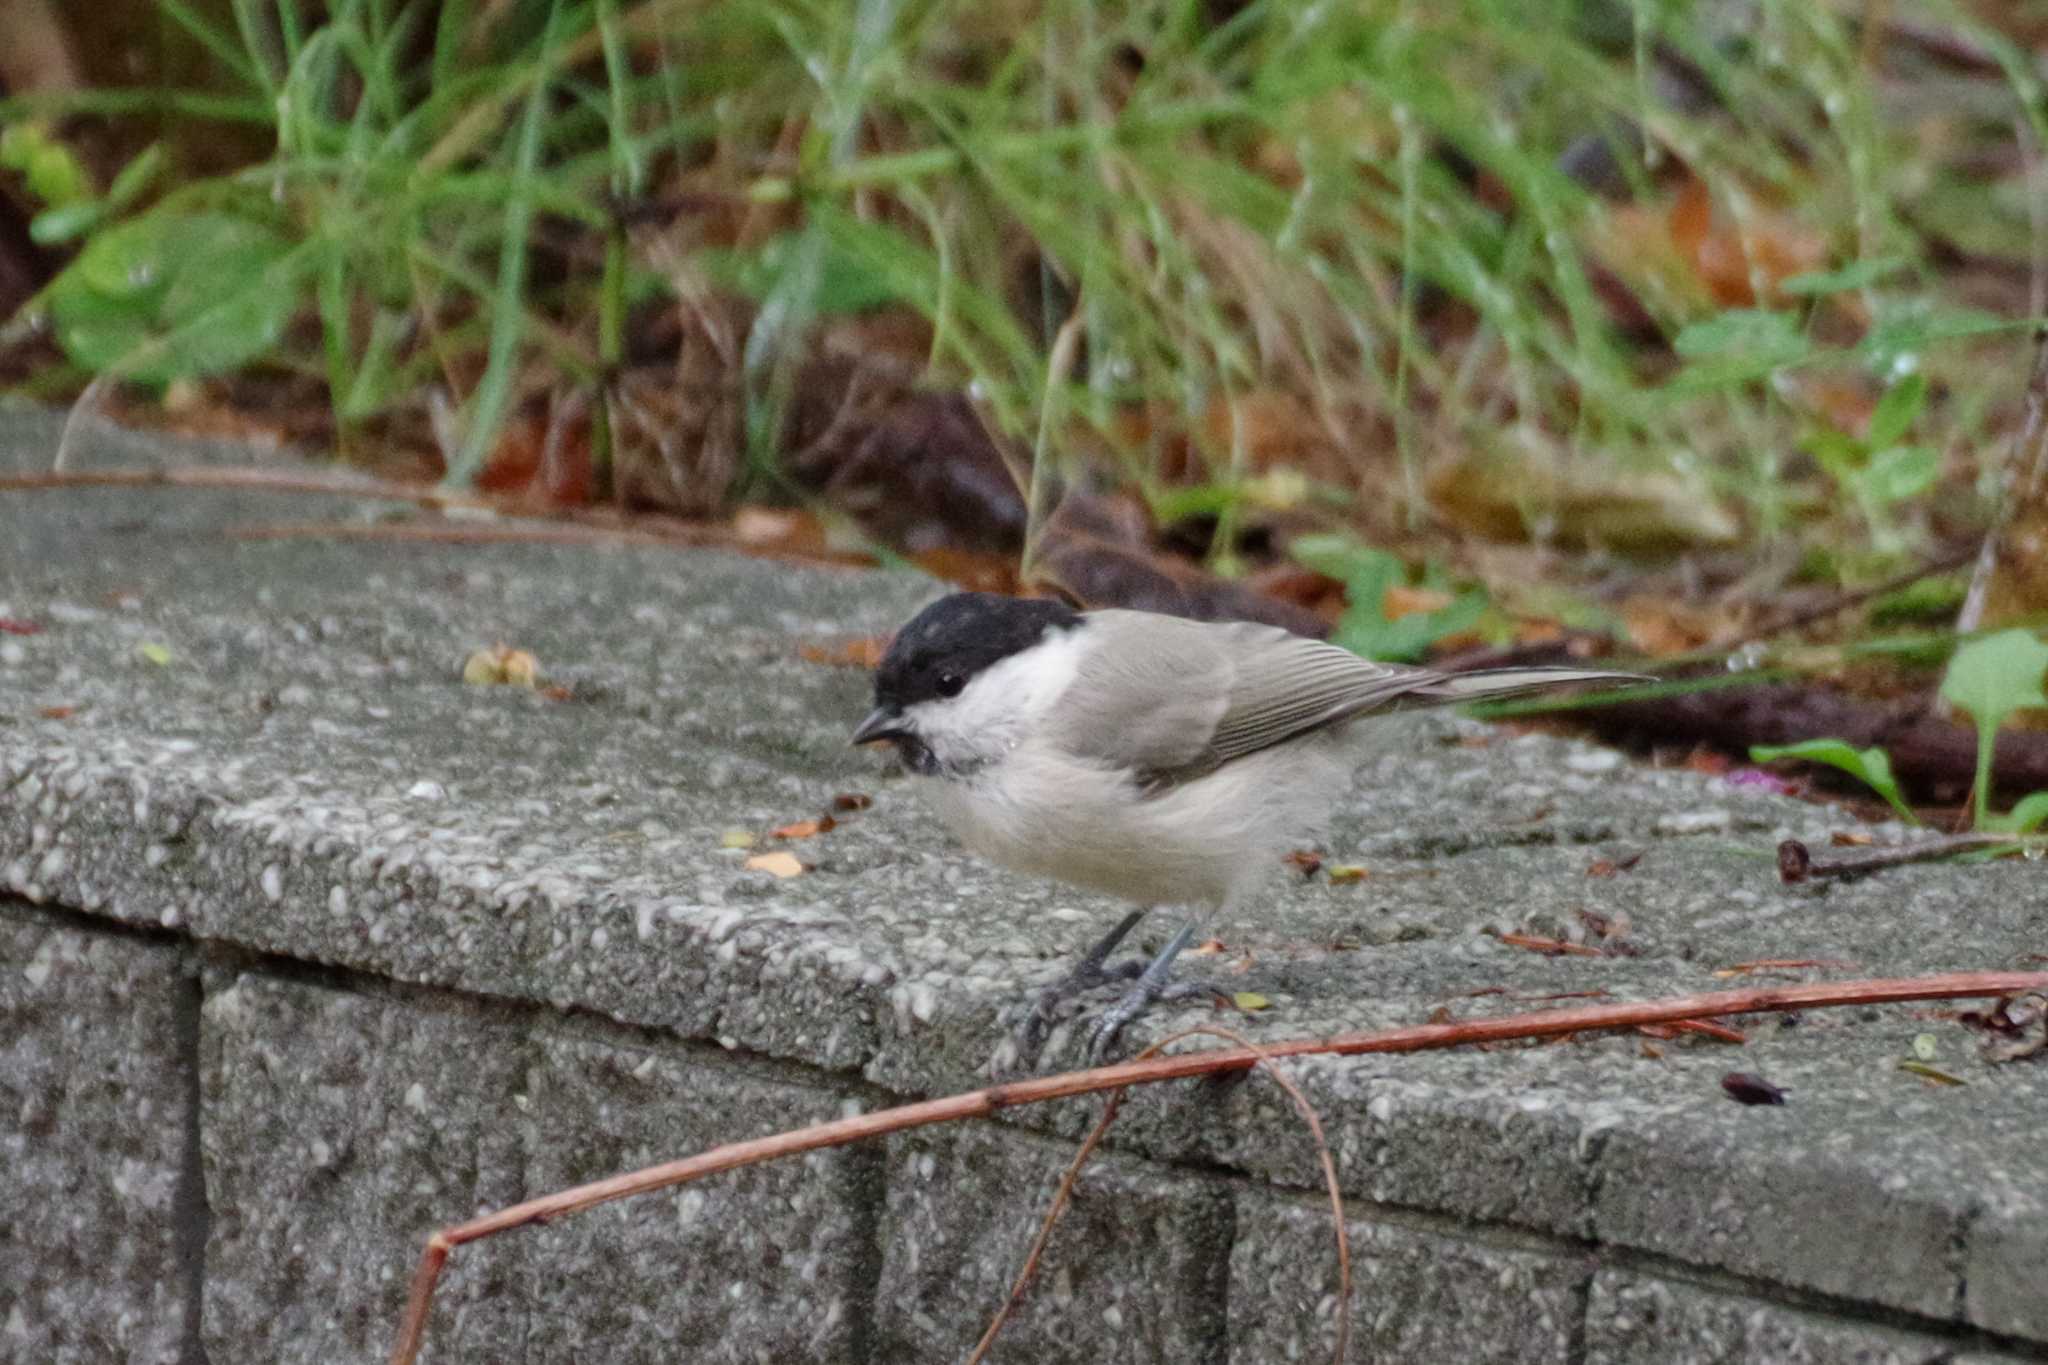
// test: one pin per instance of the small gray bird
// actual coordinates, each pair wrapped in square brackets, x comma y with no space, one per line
[1160,760]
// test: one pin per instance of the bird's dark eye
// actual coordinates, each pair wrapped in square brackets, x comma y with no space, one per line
[949,684]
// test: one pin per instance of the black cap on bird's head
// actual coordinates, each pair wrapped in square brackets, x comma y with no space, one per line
[944,646]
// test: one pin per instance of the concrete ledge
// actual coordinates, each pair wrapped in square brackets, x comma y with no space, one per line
[385,950]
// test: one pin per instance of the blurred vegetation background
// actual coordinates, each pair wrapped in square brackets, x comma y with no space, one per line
[1633,314]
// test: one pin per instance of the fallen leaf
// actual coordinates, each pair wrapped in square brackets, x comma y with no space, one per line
[1748,1088]
[2018,1025]
[863,652]
[1850,838]
[1614,926]
[1400,600]
[500,665]
[781,863]
[849,801]
[1795,862]
[1528,482]
[1208,947]
[1931,1073]
[1711,763]
[974,570]
[57,712]
[753,525]
[159,655]
[1343,873]
[804,829]
[1925,1046]
[736,838]
[1304,862]
[10,626]
[1250,1000]
[557,692]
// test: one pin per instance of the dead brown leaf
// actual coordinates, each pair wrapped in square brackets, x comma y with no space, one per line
[1748,1088]
[1609,867]
[863,652]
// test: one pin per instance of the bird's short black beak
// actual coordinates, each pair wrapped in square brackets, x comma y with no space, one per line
[884,722]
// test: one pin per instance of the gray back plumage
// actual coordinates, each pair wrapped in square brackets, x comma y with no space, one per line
[1173,699]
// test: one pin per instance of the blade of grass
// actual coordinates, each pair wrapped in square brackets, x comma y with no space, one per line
[508,314]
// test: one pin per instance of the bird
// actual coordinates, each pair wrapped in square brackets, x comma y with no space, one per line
[1152,758]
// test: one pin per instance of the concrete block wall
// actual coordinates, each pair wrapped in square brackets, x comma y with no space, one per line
[214,1156]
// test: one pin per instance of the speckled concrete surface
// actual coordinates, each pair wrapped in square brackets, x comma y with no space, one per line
[1418,1292]
[1161,1296]
[259,745]
[94,1120]
[1640,1319]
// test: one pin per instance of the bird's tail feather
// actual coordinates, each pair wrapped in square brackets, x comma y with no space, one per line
[1486,683]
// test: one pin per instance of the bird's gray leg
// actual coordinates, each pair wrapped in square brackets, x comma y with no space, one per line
[1154,984]
[1087,974]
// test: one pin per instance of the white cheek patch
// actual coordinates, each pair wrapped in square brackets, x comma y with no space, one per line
[1031,680]
[1003,703]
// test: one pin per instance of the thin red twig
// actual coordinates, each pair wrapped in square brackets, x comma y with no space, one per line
[994,1099]
[1553,947]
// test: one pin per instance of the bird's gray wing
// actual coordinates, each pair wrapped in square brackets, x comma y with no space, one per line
[1173,699]
[1284,686]
[1148,692]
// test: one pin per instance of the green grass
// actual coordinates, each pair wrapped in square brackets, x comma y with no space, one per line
[1361,209]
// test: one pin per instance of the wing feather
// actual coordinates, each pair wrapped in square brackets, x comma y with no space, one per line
[1172,699]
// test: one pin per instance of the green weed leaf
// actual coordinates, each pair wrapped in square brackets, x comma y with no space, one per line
[1367,573]
[171,296]
[1872,766]
[1993,677]
[54,174]
[1898,474]
[2024,818]
[1990,679]
[846,284]
[1855,275]
[1897,411]
[1754,335]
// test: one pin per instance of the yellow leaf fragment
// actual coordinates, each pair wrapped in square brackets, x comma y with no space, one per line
[736,838]
[1933,1074]
[501,664]
[1250,1000]
[781,863]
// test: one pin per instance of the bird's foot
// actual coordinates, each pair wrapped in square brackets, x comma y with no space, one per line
[1151,982]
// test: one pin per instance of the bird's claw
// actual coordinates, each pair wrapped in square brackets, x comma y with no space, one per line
[1151,982]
